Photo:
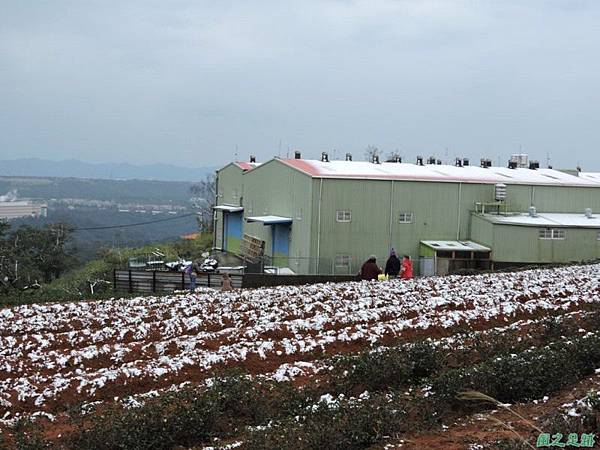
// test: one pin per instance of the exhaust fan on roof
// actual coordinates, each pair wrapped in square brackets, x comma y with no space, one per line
[297,155]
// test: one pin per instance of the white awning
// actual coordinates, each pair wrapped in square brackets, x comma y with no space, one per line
[269,220]
[456,246]
[229,208]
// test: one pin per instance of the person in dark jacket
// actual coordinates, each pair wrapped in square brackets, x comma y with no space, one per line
[392,266]
[370,270]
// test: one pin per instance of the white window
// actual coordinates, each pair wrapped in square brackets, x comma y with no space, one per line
[405,217]
[343,216]
[552,233]
[343,260]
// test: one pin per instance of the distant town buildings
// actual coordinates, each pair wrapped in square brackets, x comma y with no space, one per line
[18,209]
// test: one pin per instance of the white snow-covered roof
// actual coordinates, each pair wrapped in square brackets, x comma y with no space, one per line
[573,220]
[269,220]
[467,246]
[592,176]
[229,208]
[434,172]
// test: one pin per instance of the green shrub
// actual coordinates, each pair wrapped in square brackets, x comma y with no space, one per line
[348,425]
[387,369]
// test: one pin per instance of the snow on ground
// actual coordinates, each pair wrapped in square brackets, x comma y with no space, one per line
[55,354]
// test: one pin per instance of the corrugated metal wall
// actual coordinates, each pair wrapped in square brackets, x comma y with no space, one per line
[276,189]
[440,211]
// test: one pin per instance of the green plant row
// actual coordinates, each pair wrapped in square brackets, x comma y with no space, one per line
[235,403]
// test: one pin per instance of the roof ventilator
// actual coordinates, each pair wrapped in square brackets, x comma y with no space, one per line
[419,160]
[324,157]
[458,162]
[588,213]
[485,163]
[439,162]
[252,158]
[297,155]
[533,165]
[465,162]
[431,160]
[348,156]
[512,164]
[375,159]
[532,211]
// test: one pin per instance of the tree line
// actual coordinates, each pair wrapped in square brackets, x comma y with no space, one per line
[31,255]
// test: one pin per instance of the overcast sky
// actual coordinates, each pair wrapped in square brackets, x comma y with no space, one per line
[189,82]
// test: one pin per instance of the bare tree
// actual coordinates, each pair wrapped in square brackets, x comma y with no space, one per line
[371,151]
[204,196]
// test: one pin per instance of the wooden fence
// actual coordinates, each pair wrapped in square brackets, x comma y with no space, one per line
[147,282]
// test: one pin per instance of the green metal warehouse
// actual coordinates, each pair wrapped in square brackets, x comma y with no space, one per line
[327,217]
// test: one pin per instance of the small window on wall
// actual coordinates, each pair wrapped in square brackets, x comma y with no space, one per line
[552,233]
[343,216]
[405,217]
[343,260]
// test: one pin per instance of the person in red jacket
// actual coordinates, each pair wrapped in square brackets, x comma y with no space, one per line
[370,270]
[406,272]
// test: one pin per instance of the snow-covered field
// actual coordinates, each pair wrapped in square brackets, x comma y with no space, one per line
[53,355]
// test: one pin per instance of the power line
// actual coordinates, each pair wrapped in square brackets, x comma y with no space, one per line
[134,224]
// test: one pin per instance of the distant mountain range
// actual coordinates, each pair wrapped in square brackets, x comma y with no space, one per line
[35,167]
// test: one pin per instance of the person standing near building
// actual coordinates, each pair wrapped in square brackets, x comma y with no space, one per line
[406,272]
[392,266]
[191,272]
[370,270]
[226,283]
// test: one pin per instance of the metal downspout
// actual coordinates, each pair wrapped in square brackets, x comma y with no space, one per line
[319,225]
[214,214]
[391,215]
[458,212]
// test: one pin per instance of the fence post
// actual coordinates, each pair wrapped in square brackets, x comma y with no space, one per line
[130,283]
[154,281]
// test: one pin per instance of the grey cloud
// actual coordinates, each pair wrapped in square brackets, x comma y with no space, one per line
[151,81]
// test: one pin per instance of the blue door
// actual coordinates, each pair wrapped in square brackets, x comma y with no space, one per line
[281,244]
[232,235]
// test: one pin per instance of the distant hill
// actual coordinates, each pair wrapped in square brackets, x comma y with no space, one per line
[35,167]
[120,191]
